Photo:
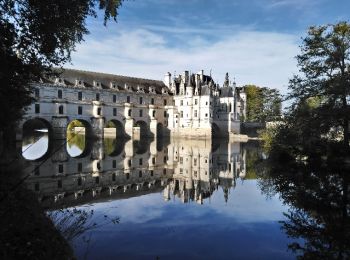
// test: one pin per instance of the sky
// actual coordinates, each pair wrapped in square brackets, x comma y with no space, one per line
[255,41]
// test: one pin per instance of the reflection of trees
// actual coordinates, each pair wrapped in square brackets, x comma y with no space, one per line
[74,138]
[318,194]
[253,156]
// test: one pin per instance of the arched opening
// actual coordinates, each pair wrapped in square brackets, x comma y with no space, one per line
[215,130]
[141,146]
[114,129]
[113,146]
[141,129]
[77,141]
[35,141]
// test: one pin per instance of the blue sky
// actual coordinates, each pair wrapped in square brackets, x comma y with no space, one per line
[254,40]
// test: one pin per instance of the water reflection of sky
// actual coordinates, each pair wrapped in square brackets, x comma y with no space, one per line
[73,150]
[35,150]
[244,227]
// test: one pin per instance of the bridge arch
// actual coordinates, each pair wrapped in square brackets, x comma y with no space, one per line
[142,128]
[78,133]
[114,146]
[118,126]
[35,138]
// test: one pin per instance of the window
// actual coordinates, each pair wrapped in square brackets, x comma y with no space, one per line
[153,160]
[140,100]
[98,165]
[181,103]
[59,184]
[128,99]
[152,101]
[140,112]
[114,111]
[165,102]
[80,110]
[230,107]
[37,187]
[80,167]
[140,174]
[181,114]
[79,181]
[114,163]
[129,112]
[151,172]
[194,162]
[114,98]
[129,163]
[60,168]
[97,180]
[37,108]
[140,161]
[97,96]
[206,103]
[59,93]
[113,177]
[165,114]
[195,113]
[80,95]
[154,113]
[37,92]
[181,160]
[181,171]
[127,176]
[37,171]
[206,114]
[99,111]
[164,171]
[195,101]
[164,159]
[60,110]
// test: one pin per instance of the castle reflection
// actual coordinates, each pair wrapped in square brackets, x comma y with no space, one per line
[190,170]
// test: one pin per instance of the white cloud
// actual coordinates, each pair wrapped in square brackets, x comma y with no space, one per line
[262,58]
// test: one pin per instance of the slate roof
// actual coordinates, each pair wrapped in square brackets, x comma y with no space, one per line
[226,92]
[88,78]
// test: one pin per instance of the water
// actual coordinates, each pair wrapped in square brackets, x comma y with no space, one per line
[161,199]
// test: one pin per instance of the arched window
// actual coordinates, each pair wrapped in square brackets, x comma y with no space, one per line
[60,110]
[154,113]
[129,112]
[59,93]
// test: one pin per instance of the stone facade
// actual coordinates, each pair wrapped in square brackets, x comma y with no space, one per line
[187,105]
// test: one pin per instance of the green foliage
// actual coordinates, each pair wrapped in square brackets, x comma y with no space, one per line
[35,36]
[74,138]
[320,94]
[263,104]
[109,145]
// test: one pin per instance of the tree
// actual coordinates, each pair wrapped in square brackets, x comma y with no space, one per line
[35,36]
[263,104]
[321,94]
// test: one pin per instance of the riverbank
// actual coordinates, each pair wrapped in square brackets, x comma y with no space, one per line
[26,231]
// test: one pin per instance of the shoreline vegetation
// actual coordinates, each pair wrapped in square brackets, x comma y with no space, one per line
[26,231]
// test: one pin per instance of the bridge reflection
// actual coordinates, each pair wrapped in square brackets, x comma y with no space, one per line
[116,168]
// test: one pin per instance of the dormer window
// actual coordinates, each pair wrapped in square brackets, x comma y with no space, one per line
[127,87]
[97,84]
[139,88]
[164,91]
[59,81]
[152,90]
[113,85]
[79,83]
